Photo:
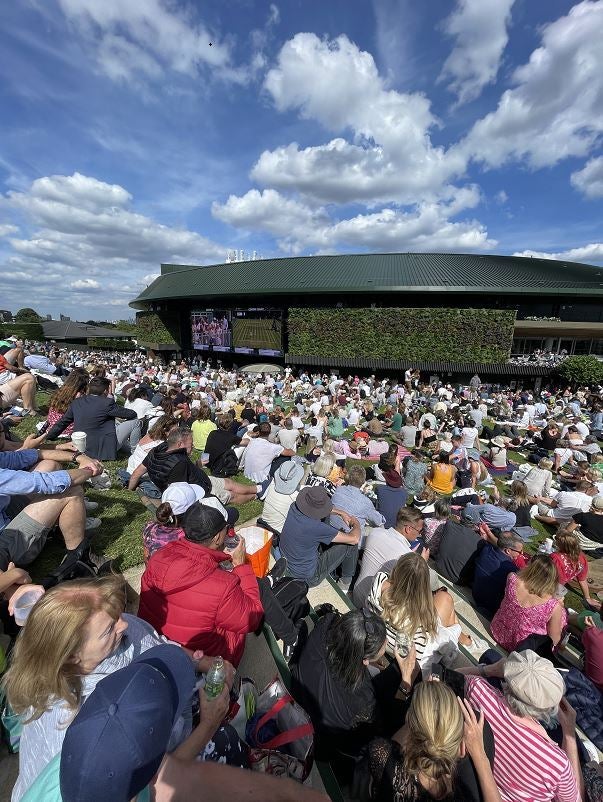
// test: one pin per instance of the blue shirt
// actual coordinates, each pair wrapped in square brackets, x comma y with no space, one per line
[299,542]
[389,501]
[492,567]
[39,362]
[492,515]
[353,501]
[16,480]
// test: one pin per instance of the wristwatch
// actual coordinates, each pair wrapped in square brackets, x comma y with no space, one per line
[77,454]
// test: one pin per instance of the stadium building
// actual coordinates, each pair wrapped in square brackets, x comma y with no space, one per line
[451,314]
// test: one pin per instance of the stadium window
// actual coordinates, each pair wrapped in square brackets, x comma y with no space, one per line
[581,347]
[597,347]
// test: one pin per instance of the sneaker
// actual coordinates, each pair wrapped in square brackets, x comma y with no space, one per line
[291,651]
[90,505]
[344,584]
[92,523]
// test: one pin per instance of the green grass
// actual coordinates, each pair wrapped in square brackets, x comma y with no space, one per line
[122,513]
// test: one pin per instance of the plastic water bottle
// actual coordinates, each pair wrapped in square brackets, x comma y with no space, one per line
[215,679]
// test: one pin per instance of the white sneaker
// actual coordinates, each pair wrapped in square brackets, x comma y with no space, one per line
[90,505]
[92,523]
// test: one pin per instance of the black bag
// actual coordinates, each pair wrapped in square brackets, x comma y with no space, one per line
[463,477]
[291,594]
[227,464]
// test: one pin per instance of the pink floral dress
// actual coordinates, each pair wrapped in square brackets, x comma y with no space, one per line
[513,623]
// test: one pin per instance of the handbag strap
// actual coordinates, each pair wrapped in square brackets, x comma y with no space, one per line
[288,737]
[284,737]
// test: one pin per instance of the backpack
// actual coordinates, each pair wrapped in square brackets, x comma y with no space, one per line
[291,594]
[227,464]
[81,563]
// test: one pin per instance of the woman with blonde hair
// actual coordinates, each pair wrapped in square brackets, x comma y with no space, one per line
[519,503]
[530,612]
[75,635]
[405,601]
[572,565]
[427,757]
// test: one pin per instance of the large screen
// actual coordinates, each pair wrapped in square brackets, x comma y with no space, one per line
[258,330]
[211,330]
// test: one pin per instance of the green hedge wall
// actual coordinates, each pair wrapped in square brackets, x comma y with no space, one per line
[421,335]
[29,331]
[151,328]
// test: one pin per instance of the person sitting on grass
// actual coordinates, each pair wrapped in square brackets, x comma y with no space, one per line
[591,522]
[175,501]
[442,475]
[351,499]
[170,462]
[96,414]
[75,386]
[15,382]
[572,565]
[34,497]
[414,472]
[567,503]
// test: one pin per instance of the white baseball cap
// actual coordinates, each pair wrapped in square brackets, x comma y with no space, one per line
[180,496]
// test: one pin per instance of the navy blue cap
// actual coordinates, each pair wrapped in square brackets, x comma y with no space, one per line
[115,745]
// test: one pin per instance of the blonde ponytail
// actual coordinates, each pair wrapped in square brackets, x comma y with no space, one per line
[434,735]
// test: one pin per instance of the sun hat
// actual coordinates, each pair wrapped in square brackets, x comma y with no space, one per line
[314,502]
[288,477]
[114,746]
[498,441]
[392,478]
[180,496]
[533,679]
[597,502]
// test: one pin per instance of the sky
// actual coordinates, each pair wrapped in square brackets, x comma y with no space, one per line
[136,132]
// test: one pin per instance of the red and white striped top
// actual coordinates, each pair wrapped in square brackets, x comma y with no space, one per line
[528,766]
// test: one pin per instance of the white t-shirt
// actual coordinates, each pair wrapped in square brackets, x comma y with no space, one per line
[140,406]
[276,507]
[288,438]
[258,457]
[315,408]
[469,435]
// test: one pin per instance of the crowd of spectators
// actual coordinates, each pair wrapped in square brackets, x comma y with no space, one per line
[405,496]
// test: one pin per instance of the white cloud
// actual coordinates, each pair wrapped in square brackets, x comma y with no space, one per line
[480,30]
[85,284]
[338,85]
[269,211]
[589,180]
[554,110]
[299,227]
[142,38]
[6,229]
[589,254]
[84,234]
[501,197]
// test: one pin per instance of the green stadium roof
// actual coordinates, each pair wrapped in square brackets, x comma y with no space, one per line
[374,273]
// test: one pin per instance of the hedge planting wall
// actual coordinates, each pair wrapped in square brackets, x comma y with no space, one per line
[420,335]
[151,328]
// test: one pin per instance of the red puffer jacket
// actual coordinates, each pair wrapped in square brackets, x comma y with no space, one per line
[187,597]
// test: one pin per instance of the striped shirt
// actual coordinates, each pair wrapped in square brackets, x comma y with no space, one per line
[528,766]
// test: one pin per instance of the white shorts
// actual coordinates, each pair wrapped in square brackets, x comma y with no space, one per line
[218,488]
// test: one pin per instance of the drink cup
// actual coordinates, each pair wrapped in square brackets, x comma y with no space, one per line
[24,605]
[402,644]
[78,439]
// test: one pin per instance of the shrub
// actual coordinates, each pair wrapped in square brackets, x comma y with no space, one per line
[28,331]
[419,335]
[581,370]
[151,329]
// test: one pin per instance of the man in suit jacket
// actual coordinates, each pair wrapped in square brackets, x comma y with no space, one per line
[96,415]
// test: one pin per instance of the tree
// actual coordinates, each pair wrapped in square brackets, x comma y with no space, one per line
[581,370]
[28,315]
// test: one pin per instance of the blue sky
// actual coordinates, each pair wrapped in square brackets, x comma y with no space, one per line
[127,139]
